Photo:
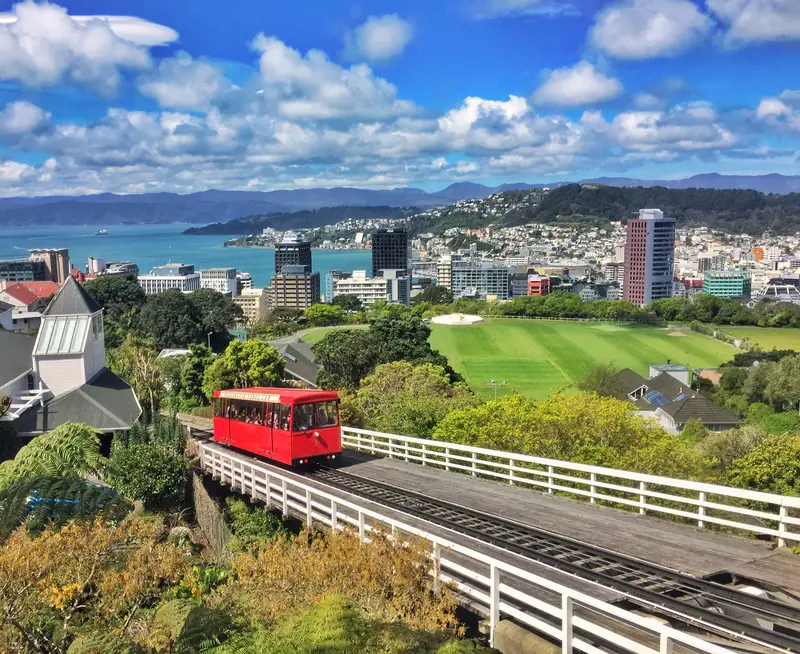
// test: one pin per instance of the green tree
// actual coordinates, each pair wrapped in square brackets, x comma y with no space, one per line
[754,387]
[783,384]
[323,315]
[402,335]
[171,320]
[120,297]
[602,379]
[772,466]
[136,361]
[217,314]
[694,431]
[727,446]
[579,427]
[148,463]
[347,303]
[346,357]
[435,295]
[402,398]
[252,363]
[193,370]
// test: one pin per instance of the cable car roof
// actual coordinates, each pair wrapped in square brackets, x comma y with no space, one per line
[278,395]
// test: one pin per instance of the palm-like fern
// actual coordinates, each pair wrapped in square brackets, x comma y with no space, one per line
[40,502]
[70,450]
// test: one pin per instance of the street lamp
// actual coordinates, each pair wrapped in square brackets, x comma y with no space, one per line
[496,384]
[209,339]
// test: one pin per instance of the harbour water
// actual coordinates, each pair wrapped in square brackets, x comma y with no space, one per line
[153,245]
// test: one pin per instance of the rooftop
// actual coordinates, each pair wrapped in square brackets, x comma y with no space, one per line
[72,300]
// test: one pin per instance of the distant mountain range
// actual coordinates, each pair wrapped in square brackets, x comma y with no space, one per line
[773,183]
[220,206]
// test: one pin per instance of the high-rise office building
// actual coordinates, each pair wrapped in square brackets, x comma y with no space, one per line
[293,252]
[56,263]
[295,287]
[649,257]
[391,250]
[22,270]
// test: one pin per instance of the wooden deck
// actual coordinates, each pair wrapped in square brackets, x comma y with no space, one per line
[688,549]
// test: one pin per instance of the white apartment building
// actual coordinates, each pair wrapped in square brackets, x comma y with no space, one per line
[772,253]
[253,302]
[244,280]
[222,280]
[173,275]
[366,289]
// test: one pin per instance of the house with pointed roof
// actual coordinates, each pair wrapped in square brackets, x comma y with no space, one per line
[60,375]
[666,397]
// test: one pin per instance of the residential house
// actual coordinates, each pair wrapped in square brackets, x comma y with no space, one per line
[667,397]
[60,375]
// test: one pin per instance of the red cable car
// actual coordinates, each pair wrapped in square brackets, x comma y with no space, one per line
[288,425]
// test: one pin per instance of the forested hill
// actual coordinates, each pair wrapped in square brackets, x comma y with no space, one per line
[299,219]
[732,210]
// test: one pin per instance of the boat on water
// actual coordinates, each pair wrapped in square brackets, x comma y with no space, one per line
[101,232]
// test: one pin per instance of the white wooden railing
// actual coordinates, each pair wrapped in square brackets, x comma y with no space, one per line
[575,619]
[702,504]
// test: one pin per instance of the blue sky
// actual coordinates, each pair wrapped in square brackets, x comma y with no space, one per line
[181,96]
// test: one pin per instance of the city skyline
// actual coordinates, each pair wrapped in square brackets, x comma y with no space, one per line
[179,97]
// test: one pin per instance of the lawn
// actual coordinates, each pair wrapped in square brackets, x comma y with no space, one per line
[538,357]
[767,337]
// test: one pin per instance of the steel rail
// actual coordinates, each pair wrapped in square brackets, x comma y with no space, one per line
[674,593]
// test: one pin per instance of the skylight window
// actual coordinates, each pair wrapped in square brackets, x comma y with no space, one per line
[62,335]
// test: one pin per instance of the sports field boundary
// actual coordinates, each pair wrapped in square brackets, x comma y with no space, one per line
[658,323]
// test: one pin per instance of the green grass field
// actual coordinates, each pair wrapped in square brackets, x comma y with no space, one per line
[538,357]
[767,337]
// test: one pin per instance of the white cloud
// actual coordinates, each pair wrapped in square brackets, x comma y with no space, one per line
[580,85]
[757,21]
[311,86]
[486,9]
[12,171]
[133,29]
[379,38]
[642,29]
[21,118]
[781,113]
[45,46]
[181,82]
[690,127]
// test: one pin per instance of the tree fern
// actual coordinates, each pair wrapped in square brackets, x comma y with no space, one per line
[102,643]
[40,502]
[72,449]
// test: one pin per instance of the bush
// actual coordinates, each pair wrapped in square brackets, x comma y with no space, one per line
[251,525]
[580,427]
[727,446]
[385,579]
[149,463]
[772,466]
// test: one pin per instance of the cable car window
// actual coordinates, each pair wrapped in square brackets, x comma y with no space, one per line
[326,414]
[285,412]
[303,417]
[219,408]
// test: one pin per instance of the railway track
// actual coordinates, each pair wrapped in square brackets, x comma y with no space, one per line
[709,606]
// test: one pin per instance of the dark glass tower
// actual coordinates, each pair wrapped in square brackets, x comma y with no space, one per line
[391,250]
[293,253]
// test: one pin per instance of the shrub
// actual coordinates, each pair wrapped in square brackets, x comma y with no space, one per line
[772,466]
[386,580]
[251,525]
[149,463]
[727,446]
